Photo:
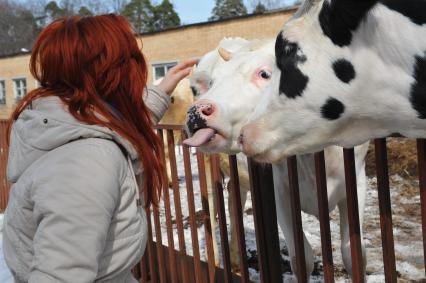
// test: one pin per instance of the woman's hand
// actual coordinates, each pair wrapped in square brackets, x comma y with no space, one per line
[175,75]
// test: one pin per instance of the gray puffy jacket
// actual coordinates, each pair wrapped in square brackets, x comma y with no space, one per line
[72,214]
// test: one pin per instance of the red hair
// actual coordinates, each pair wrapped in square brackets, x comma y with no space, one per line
[94,65]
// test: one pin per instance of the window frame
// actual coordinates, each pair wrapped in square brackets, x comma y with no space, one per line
[21,88]
[165,65]
[2,91]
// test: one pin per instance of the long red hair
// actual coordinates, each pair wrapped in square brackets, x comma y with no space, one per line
[95,66]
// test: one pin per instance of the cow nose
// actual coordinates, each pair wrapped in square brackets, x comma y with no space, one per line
[207,109]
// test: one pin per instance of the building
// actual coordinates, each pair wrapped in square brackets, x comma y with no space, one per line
[163,50]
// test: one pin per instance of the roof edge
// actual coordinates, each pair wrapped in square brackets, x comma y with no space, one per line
[269,12]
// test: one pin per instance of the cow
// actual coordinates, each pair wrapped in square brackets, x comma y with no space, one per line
[214,122]
[200,82]
[346,71]
[182,97]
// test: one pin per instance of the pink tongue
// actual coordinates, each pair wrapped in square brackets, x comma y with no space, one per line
[200,137]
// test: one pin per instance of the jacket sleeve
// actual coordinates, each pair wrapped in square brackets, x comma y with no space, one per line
[157,101]
[74,202]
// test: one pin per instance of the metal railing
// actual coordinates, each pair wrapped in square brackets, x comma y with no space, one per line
[182,263]
[4,151]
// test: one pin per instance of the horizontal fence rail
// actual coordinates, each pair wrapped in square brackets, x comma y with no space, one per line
[184,244]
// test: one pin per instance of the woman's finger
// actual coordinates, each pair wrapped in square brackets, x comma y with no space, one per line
[183,73]
[183,65]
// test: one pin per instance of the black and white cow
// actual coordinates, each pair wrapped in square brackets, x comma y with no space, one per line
[232,90]
[347,71]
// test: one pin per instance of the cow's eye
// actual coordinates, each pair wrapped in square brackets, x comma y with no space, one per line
[265,74]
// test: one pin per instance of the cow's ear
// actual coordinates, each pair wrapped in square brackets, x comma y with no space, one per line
[340,18]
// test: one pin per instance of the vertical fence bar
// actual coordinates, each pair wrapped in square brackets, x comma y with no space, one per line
[159,244]
[191,209]
[265,221]
[293,181]
[353,215]
[238,214]
[136,270]
[178,207]
[168,214]
[220,204]
[324,218]
[144,270]
[150,249]
[385,210]
[421,154]
[4,184]
[206,216]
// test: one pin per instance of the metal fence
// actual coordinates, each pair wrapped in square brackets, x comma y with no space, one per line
[174,262]
[4,185]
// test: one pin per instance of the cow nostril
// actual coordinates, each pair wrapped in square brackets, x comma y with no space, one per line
[207,111]
[241,139]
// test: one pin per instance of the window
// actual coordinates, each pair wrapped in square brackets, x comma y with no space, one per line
[2,92]
[20,88]
[160,70]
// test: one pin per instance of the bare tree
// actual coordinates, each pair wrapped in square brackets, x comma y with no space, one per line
[18,28]
[271,4]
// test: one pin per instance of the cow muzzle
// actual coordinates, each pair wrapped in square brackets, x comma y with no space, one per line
[197,123]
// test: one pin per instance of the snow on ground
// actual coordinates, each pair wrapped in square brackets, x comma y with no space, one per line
[406,220]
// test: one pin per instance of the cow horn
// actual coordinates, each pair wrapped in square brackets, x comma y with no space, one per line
[225,54]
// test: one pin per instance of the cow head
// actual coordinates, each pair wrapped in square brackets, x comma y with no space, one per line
[201,78]
[214,121]
[344,69]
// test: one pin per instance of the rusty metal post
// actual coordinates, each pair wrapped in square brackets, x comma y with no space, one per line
[293,181]
[385,210]
[235,192]
[220,204]
[206,219]
[353,215]
[324,217]
[191,209]
[265,221]
[421,154]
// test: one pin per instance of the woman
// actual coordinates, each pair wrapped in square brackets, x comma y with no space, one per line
[76,142]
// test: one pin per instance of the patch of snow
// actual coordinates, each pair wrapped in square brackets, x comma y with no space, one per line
[407,231]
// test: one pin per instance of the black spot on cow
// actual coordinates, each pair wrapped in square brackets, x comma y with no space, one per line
[332,109]
[288,55]
[412,9]
[339,18]
[418,89]
[344,70]
[194,121]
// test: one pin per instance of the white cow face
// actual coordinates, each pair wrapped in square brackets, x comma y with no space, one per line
[214,121]
[345,69]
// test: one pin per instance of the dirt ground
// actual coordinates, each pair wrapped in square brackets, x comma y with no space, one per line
[402,158]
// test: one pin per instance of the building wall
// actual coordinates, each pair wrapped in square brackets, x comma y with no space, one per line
[10,68]
[161,47]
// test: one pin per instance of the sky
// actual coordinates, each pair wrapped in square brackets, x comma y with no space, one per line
[195,11]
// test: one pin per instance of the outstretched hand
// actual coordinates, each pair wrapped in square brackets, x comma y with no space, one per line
[175,75]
